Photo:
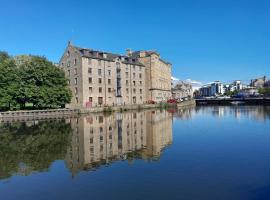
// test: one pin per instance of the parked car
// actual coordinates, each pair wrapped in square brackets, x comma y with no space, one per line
[172,101]
[151,102]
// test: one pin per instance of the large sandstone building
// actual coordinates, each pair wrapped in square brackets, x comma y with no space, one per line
[99,78]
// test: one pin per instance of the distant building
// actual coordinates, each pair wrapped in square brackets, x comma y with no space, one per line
[248,92]
[267,84]
[182,90]
[258,83]
[213,89]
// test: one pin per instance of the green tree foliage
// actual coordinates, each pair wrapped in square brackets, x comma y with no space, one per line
[9,81]
[264,91]
[32,79]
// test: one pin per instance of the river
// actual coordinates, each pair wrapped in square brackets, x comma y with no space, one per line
[195,153]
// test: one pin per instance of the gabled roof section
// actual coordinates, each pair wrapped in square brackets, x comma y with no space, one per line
[102,55]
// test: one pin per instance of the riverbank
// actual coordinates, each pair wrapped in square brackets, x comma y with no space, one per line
[26,115]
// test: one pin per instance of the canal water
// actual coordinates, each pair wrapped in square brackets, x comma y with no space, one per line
[196,153]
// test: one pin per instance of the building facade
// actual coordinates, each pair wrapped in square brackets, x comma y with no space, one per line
[182,90]
[158,75]
[98,78]
[258,82]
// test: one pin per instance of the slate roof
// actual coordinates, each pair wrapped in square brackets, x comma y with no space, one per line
[90,53]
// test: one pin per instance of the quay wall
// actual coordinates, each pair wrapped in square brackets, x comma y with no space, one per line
[26,115]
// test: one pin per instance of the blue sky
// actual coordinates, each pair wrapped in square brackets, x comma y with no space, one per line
[204,40]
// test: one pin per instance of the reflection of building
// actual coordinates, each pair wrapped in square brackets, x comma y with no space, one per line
[99,139]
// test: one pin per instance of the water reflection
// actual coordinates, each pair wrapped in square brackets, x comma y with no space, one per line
[26,147]
[258,113]
[85,142]
[88,142]
[99,139]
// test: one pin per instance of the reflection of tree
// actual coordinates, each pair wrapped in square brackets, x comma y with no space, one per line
[24,149]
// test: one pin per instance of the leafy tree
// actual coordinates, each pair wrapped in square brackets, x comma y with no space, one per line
[264,91]
[42,83]
[9,81]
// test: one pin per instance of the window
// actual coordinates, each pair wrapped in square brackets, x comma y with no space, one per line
[133,67]
[77,100]
[75,71]
[100,120]
[89,70]
[99,72]
[75,62]
[109,72]
[100,89]
[76,90]
[90,79]
[68,64]
[140,82]
[109,90]
[140,75]
[134,90]
[140,68]
[99,80]
[134,83]
[75,80]
[127,90]
[100,100]
[126,74]
[90,90]
[126,82]
[99,62]
[109,81]
[140,91]
[68,54]
[68,72]
[90,99]
[140,97]
[89,61]
[134,75]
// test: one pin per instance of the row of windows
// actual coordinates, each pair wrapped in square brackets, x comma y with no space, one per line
[90,81]
[110,90]
[100,99]
[109,73]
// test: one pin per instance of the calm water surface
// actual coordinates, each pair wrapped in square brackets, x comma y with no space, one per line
[202,153]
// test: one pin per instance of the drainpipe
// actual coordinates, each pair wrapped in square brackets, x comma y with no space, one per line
[105,83]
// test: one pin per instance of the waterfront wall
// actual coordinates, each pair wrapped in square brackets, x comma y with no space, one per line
[26,115]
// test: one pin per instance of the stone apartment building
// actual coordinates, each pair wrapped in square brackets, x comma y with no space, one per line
[157,73]
[99,78]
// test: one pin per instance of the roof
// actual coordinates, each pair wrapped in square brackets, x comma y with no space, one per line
[136,54]
[90,53]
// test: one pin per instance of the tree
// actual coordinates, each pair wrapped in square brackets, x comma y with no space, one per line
[264,91]
[9,81]
[42,83]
